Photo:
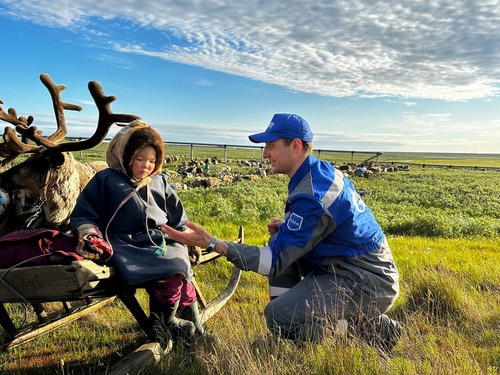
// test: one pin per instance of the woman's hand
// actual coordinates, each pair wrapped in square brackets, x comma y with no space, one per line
[198,236]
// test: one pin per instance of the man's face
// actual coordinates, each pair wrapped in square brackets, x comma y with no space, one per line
[279,154]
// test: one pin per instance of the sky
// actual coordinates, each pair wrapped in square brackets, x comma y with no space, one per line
[367,75]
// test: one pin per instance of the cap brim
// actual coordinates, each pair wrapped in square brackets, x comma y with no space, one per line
[263,137]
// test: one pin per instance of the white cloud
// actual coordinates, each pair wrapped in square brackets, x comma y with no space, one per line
[117,61]
[204,82]
[442,49]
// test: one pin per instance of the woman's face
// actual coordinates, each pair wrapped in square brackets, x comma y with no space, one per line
[144,162]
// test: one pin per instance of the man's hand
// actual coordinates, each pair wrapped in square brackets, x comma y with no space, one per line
[194,255]
[273,225]
[198,236]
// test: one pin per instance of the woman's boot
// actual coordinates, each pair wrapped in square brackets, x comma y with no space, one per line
[164,320]
[156,324]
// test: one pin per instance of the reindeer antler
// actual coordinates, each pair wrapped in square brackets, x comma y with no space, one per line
[13,146]
[106,119]
[59,107]
[32,133]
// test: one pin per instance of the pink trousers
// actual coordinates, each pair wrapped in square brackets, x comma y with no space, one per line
[173,288]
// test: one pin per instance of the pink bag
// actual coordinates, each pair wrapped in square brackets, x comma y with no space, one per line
[36,247]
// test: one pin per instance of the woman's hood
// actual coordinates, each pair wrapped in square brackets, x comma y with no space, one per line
[128,141]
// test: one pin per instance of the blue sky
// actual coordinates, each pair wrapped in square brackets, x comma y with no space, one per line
[367,75]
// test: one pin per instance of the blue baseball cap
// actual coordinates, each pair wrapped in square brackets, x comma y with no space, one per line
[284,125]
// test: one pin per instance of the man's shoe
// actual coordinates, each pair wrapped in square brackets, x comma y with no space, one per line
[382,332]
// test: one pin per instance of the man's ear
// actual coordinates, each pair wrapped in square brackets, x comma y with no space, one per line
[297,144]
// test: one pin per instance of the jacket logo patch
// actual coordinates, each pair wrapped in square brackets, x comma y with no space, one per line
[358,202]
[294,222]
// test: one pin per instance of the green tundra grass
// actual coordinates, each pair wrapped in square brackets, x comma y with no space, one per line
[443,225]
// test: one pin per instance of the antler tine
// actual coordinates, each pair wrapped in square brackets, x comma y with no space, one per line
[103,102]
[106,119]
[11,117]
[12,145]
[32,133]
[59,107]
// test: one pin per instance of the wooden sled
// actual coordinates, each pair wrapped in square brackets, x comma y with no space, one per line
[80,287]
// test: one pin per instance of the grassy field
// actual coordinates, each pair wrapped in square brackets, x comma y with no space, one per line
[443,225]
[474,160]
[202,152]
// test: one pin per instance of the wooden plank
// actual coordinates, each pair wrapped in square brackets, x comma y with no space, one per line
[205,258]
[141,359]
[93,270]
[52,282]
[30,334]
[33,283]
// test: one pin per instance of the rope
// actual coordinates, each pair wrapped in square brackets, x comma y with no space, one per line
[145,182]
[141,184]
[25,301]
[17,265]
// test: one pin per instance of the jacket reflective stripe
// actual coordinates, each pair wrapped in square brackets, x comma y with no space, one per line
[335,189]
[265,260]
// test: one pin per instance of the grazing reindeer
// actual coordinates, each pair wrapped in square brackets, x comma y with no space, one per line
[42,190]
